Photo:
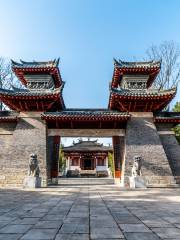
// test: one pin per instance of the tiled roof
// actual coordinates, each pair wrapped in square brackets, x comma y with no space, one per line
[27,92]
[87,146]
[121,68]
[27,99]
[143,92]
[91,114]
[23,69]
[8,116]
[168,117]
[144,64]
[35,64]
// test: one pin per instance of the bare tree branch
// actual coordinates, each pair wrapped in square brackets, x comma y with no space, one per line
[7,78]
[169,53]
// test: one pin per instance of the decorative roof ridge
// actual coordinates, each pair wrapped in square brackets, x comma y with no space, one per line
[143,64]
[90,110]
[30,92]
[167,115]
[86,141]
[27,90]
[9,119]
[24,64]
[16,89]
[66,112]
[168,90]
[6,113]
[9,116]
[96,144]
[3,90]
[142,91]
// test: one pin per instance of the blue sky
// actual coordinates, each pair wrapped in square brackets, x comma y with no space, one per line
[86,35]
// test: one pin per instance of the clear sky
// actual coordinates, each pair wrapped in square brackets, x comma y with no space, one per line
[86,35]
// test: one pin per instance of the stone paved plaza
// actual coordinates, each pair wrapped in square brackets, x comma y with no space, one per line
[89,212]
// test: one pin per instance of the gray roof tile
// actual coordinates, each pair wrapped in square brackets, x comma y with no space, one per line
[35,64]
[142,93]
[87,146]
[144,64]
[88,113]
[27,92]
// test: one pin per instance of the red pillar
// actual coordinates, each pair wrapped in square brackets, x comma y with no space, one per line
[55,158]
[118,148]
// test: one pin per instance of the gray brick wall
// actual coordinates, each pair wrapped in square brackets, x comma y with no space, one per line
[29,136]
[142,139]
[171,147]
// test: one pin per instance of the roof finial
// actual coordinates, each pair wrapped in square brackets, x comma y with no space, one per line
[115,61]
[57,61]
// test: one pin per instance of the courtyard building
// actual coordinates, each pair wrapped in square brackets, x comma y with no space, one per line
[87,158]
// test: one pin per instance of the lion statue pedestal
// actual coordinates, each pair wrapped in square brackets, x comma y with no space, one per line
[33,180]
[136,180]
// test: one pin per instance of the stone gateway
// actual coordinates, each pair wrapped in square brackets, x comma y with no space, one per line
[134,118]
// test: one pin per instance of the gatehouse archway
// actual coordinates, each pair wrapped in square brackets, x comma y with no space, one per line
[133,118]
[118,144]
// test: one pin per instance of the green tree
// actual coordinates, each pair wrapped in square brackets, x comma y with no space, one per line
[177,128]
[62,160]
[111,163]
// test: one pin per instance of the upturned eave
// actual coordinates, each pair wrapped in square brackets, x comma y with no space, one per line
[121,68]
[49,67]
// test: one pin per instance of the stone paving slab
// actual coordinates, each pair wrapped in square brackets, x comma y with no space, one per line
[48,224]
[89,212]
[25,221]
[106,232]
[141,236]
[134,228]
[10,236]
[18,228]
[40,234]
[72,237]
[74,228]
[167,232]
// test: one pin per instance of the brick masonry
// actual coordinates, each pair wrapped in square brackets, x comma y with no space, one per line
[28,136]
[160,152]
[142,139]
[171,147]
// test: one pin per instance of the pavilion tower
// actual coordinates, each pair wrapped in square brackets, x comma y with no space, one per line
[41,91]
[131,90]
[42,87]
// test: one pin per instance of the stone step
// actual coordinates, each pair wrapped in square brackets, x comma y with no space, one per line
[163,185]
[85,181]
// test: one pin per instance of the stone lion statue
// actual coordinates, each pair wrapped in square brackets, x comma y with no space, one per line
[136,169]
[33,166]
